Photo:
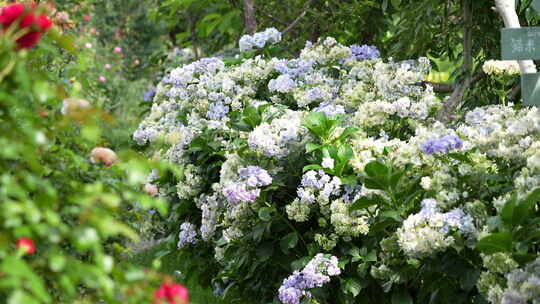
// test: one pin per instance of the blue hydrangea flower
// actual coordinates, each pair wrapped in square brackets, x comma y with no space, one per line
[365,52]
[282,84]
[217,110]
[149,94]
[316,273]
[442,145]
[187,235]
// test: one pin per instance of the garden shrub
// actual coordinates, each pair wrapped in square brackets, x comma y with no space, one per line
[336,155]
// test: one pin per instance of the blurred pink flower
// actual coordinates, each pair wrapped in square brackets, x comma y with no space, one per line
[171,293]
[86,18]
[107,66]
[118,50]
[88,45]
[102,78]
[137,62]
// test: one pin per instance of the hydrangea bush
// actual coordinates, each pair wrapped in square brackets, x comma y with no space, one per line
[335,158]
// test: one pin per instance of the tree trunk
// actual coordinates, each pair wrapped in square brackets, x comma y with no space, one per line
[249,17]
[461,88]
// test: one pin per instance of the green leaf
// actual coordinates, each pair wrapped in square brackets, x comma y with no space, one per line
[376,169]
[310,147]
[508,210]
[316,122]
[288,242]
[401,296]
[312,167]
[365,202]
[373,183]
[496,242]
[347,132]
[265,214]
[345,153]
[353,287]
[526,206]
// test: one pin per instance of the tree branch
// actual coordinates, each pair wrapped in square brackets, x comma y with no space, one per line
[249,17]
[267,14]
[439,87]
[302,14]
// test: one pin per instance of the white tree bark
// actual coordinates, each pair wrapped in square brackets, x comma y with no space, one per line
[507,10]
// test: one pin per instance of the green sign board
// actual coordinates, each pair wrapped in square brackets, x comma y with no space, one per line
[530,89]
[520,43]
[536,5]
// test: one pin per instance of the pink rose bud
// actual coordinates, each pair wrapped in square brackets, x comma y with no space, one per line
[86,18]
[103,155]
[151,189]
[102,78]
[118,50]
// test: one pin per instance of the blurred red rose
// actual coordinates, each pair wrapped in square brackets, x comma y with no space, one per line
[28,18]
[171,293]
[27,245]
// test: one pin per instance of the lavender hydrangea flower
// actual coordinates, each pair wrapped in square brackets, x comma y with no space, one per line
[365,52]
[255,176]
[238,192]
[442,145]
[316,273]
[149,94]
[293,67]
[187,235]
[217,110]
[260,39]
[282,84]
[247,189]
[330,109]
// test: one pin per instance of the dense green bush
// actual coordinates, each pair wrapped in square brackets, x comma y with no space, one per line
[339,152]
[59,193]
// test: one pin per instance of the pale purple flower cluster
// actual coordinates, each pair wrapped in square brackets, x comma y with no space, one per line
[185,75]
[293,67]
[330,109]
[365,52]
[260,39]
[255,176]
[442,144]
[455,218]
[149,94]
[523,285]
[315,94]
[187,235]
[248,189]
[238,192]
[217,110]
[282,84]
[320,181]
[316,273]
